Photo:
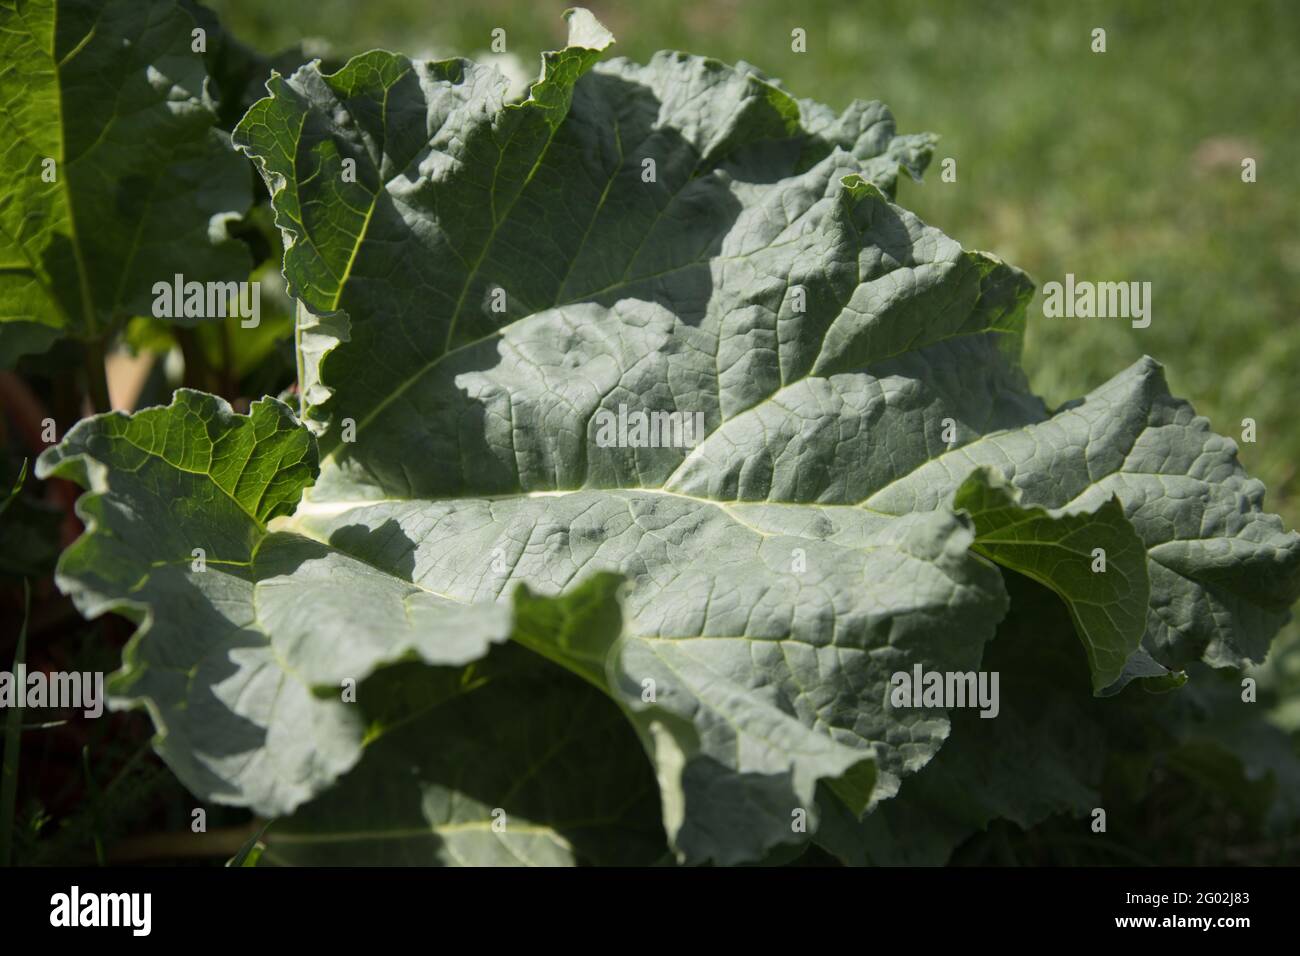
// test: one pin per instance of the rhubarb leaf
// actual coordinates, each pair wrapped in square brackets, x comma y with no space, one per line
[102,196]
[1093,560]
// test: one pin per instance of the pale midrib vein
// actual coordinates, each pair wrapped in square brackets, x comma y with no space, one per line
[754,731]
[600,204]
[473,272]
[431,830]
[492,236]
[309,508]
[193,471]
[82,43]
[469,279]
[384,571]
[559,746]
[461,692]
[1002,432]
[129,263]
[374,199]
[498,333]
[812,373]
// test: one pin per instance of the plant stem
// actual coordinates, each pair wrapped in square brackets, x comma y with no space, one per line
[95,805]
[13,733]
[229,382]
[299,310]
[96,377]
[184,845]
[196,365]
[143,749]
[25,409]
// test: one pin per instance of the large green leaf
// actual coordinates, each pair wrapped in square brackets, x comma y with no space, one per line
[141,185]
[1222,571]
[450,777]
[1094,561]
[1056,751]
[493,284]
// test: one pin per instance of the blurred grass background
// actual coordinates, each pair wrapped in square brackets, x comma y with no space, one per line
[1122,166]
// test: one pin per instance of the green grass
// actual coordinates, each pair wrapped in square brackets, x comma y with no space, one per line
[1116,166]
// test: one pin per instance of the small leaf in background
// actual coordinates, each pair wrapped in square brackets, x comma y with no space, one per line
[251,852]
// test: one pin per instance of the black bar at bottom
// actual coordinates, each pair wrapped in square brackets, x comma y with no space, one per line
[334,906]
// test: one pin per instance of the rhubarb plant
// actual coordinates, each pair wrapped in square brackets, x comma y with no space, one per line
[434,614]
